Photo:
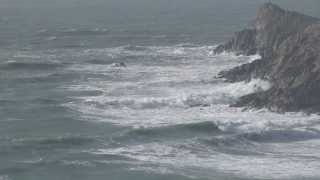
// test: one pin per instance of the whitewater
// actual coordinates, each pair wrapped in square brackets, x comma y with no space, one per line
[177,117]
[165,113]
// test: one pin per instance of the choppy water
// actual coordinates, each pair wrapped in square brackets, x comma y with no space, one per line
[68,111]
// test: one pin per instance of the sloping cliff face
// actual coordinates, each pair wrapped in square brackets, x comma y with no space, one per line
[289,44]
[244,42]
[274,25]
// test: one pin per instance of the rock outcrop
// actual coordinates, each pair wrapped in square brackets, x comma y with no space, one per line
[289,44]
[244,42]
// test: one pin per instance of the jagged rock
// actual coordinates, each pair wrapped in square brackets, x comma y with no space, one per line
[246,72]
[289,44]
[272,26]
[295,74]
[244,42]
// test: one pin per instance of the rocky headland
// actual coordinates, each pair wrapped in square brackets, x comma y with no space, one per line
[289,45]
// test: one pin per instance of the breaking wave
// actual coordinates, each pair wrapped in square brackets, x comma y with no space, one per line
[224,94]
[175,131]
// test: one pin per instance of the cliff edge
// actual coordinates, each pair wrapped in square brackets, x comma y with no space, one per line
[289,45]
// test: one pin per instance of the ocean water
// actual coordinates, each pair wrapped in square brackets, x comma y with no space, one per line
[70,111]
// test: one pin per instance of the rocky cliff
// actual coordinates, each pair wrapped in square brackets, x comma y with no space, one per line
[289,44]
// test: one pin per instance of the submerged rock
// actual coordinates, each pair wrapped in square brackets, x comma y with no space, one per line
[120,64]
[289,44]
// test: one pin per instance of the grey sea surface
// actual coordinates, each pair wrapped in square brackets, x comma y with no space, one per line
[70,110]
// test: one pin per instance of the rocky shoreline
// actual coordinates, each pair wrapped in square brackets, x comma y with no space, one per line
[289,45]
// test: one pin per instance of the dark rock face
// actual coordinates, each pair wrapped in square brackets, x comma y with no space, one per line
[246,72]
[295,73]
[274,25]
[289,44]
[244,42]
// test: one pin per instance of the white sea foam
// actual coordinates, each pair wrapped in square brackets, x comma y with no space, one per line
[181,157]
[254,58]
[69,30]
[179,88]
[164,95]
[100,30]
[51,38]
[161,95]
[243,88]
[77,163]
[188,51]
[222,94]
[42,31]
[26,55]
[32,161]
